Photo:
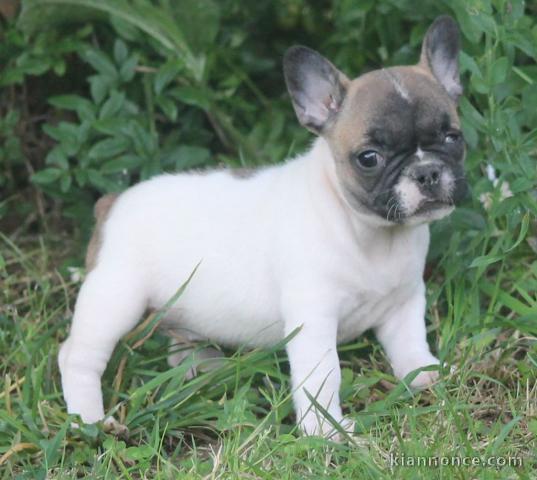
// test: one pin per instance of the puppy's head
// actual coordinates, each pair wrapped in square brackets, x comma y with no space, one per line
[394,133]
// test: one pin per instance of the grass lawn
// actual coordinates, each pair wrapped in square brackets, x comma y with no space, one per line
[479,421]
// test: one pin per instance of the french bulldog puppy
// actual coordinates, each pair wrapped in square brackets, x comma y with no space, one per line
[329,244]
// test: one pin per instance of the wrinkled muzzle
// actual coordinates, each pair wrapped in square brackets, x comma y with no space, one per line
[427,188]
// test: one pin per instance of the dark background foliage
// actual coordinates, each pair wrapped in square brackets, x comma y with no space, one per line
[104,94]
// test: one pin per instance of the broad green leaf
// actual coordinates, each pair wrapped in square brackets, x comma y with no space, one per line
[108,148]
[11,76]
[154,20]
[470,134]
[479,85]
[499,70]
[168,72]
[192,96]
[59,68]
[38,15]
[189,156]
[68,134]
[81,176]
[201,25]
[112,105]
[99,86]
[128,69]
[57,157]
[471,114]
[120,51]
[100,181]
[468,63]
[168,106]
[32,65]
[68,102]
[466,22]
[87,112]
[100,62]
[125,162]
[145,142]
[109,126]
[524,42]
[47,176]
[522,184]
[65,182]
[126,30]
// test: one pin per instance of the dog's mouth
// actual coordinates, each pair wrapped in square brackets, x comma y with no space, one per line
[429,205]
[408,201]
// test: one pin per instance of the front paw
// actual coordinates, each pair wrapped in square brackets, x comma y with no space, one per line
[424,379]
[414,362]
[313,424]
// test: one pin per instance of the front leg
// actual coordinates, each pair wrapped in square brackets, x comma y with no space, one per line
[315,369]
[403,336]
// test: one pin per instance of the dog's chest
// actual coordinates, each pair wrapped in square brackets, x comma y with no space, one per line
[386,277]
[364,310]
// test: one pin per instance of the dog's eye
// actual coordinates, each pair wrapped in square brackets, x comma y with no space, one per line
[369,159]
[452,137]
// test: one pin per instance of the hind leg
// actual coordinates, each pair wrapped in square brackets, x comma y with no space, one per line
[108,306]
[206,359]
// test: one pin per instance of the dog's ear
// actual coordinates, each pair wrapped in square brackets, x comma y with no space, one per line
[317,88]
[440,54]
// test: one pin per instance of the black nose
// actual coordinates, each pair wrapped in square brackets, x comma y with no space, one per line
[428,175]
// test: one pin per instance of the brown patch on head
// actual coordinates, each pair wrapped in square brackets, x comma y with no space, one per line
[381,122]
[390,101]
[101,211]
[394,112]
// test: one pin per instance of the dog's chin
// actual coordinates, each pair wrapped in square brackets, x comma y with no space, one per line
[428,212]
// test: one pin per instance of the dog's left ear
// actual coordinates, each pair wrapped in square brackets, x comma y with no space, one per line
[317,88]
[440,54]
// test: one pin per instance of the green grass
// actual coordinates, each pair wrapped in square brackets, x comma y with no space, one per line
[237,422]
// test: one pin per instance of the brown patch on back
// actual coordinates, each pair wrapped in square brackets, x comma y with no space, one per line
[243,172]
[101,211]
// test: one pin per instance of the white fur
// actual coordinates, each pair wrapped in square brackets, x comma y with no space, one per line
[398,85]
[447,182]
[279,251]
[410,195]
